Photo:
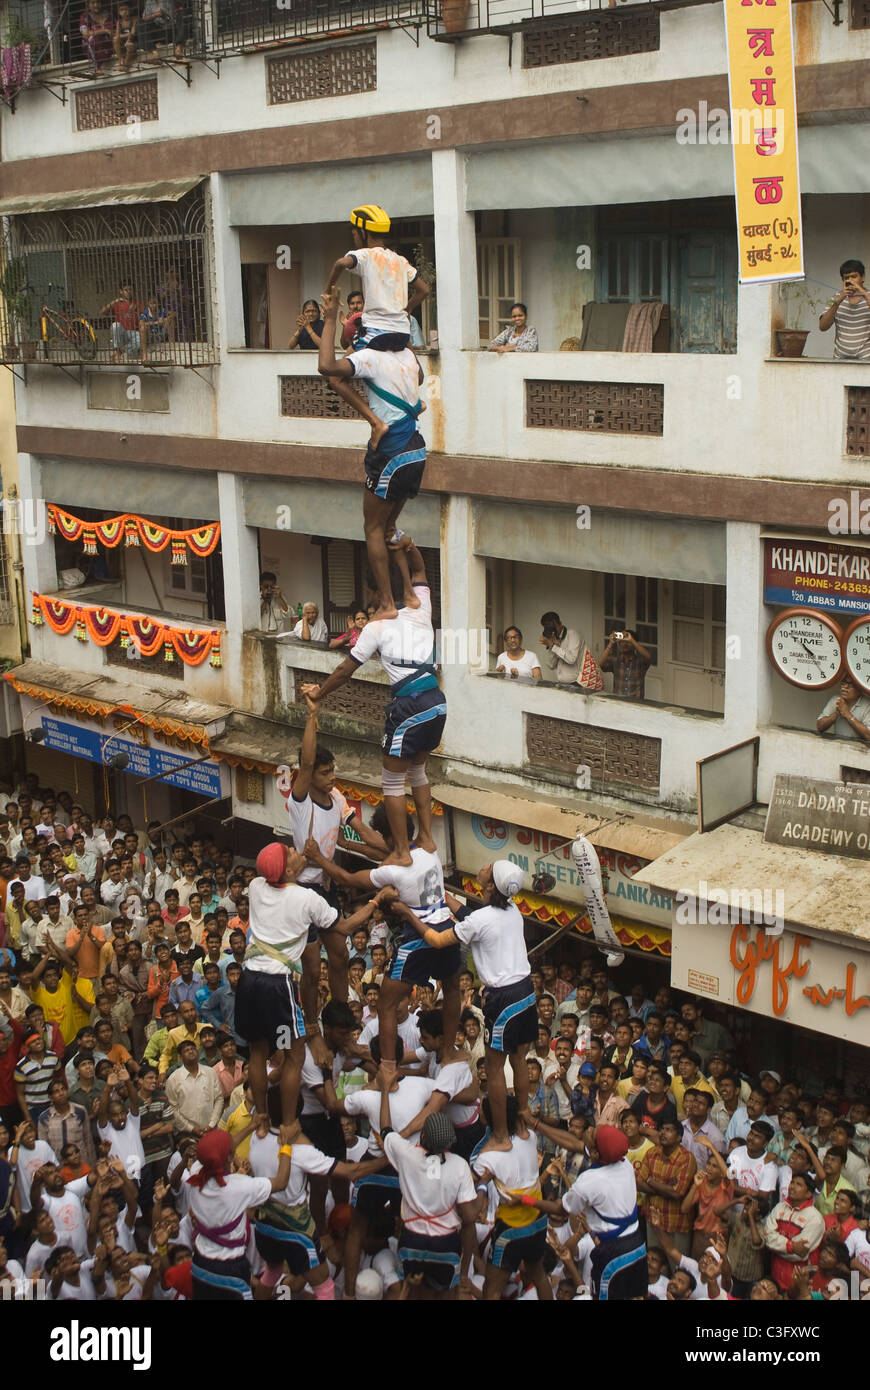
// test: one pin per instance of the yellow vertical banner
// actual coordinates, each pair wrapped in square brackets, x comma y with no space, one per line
[764,141]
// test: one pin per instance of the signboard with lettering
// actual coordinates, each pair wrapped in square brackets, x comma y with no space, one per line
[798,979]
[207,779]
[764,140]
[833,817]
[817,573]
[479,839]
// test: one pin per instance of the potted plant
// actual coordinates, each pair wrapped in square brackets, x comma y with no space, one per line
[454,15]
[799,304]
[426,271]
[15,296]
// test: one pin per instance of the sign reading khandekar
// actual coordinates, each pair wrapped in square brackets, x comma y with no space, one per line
[833,817]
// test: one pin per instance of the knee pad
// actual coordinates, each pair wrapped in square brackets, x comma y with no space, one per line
[417,775]
[393,783]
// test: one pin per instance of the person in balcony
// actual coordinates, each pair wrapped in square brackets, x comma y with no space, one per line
[175,298]
[515,661]
[849,313]
[273,605]
[96,29]
[348,640]
[163,23]
[125,330]
[846,715]
[351,322]
[156,325]
[519,337]
[125,43]
[309,328]
[564,648]
[311,627]
[628,661]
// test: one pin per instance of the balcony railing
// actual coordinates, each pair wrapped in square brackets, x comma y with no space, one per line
[453,19]
[237,26]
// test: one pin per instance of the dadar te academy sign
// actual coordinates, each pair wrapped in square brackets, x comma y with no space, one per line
[832,817]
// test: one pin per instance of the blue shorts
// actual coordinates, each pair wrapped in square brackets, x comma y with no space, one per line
[415,963]
[437,1258]
[378,1192]
[396,477]
[510,1016]
[414,724]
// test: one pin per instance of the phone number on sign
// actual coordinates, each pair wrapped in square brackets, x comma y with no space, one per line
[837,587]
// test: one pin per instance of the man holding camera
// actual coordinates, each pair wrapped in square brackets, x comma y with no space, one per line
[564,648]
[628,661]
[273,605]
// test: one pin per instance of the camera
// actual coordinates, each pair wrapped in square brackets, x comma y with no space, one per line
[550,631]
[618,636]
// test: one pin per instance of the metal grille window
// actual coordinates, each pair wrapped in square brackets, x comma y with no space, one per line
[499,284]
[238,26]
[330,72]
[615,759]
[601,36]
[114,285]
[310,398]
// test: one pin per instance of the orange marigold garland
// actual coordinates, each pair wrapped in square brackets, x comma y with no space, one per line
[134,530]
[104,625]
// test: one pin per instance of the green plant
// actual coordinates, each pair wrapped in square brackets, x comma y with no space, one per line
[17,32]
[16,296]
[424,267]
[802,307]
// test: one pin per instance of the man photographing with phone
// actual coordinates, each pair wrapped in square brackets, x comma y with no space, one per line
[849,313]
[628,661]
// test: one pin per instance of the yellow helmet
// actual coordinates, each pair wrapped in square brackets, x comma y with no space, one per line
[371,218]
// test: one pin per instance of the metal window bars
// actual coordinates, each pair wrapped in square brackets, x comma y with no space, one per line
[71,269]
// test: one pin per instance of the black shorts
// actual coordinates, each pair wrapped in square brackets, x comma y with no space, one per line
[329,895]
[326,1134]
[468,1137]
[384,342]
[437,1258]
[510,1016]
[267,1010]
[280,1236]
[378,1193]
[414,724]
[415,963]
[396,478]
[511,1245]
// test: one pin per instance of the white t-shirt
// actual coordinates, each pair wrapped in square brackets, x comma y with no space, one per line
[609,1191]
[527,664]
[385,278]
[306,1159]
[497,940]
[420,884]
[318,630]
[126,1145]
[411,1095]
[430,1188]
[215,1207]
[37,1256]
[515,1171]
[309,818]
[396,372]
[84,1292]
[409,637]
[34,888]
[282,915]
[700,1293]
[659,1290]
[858,1247]
[451,1079]
[751,1173]
[68,1215]
[407,1030]
[29,1163]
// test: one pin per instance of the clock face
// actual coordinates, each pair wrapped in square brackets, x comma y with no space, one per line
[805,648]
[856,650]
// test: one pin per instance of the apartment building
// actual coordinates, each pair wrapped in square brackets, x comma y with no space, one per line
[566,156]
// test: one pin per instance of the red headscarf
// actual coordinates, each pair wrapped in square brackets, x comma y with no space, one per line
[272,862]
[611,1143]
[213,1151]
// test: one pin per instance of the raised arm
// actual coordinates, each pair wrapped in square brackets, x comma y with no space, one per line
[439,939]
[327,364]
[340,676]
[302,780]
[343,263]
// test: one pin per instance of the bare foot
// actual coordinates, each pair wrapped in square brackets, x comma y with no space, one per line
[397,858]
[427,843]
[377,434]
[383,614]
[412,601]
[399,540]
[295,1129]
[500,1145]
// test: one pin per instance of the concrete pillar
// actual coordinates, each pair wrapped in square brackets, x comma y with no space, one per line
[746,687]
[455,253]
[37,546]
[229,309]
[241,567]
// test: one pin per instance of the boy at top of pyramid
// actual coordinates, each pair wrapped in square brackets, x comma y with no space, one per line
[389,301]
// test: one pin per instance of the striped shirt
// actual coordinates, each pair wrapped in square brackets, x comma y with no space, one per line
[852,330]
[35,1075]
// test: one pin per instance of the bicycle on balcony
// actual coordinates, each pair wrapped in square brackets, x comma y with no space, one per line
[66,333]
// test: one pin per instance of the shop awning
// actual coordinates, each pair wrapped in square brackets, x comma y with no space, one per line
[166,191]
[823,893]
[168,711]
[631,836]
[638,936]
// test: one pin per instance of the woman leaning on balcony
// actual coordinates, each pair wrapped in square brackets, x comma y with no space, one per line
[519,337]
